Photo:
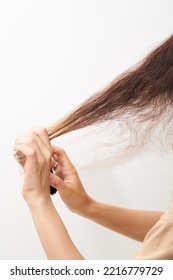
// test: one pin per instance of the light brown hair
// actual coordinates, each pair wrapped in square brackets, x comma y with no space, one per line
[142,96]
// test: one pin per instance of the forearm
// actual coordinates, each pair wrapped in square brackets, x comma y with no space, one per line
[52,232]
[131,223]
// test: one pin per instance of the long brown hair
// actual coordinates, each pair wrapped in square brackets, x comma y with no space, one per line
[141,97]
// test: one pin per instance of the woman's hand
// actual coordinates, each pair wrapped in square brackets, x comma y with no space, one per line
[41,157]
[68,183]
[35,145]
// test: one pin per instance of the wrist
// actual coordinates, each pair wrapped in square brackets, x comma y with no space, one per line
[89,208]
[34,201]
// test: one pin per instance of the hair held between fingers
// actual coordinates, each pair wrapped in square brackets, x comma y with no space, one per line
[141,97]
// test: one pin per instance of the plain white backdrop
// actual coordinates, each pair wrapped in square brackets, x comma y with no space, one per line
[53,55]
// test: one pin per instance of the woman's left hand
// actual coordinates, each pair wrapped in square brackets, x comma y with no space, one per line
[35,145]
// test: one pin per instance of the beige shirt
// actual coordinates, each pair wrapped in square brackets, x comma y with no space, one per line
[158,243]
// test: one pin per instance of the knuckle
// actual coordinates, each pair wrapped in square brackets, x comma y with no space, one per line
[31,134]
[31,140]
[32,153]
[38,130]
[43,130]
[62,151]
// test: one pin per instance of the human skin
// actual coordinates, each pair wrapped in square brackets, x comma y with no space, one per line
[53,235]
[57,244]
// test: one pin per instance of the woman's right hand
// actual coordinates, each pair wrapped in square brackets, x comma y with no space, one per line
[67,182]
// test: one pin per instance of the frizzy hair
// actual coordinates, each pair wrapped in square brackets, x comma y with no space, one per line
[142,95]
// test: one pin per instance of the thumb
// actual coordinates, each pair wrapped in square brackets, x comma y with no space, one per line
[55,181]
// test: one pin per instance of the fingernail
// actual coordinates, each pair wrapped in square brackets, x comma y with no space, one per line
[55,157]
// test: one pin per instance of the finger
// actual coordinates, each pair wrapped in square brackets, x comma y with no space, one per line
[61,157]
[58,170]
[53,163]
[30,154]
[45,150]
[56,182]
[30,141]
[43,134]
[34,133]
[36,143]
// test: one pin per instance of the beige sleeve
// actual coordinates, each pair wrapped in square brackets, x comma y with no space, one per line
[158,243]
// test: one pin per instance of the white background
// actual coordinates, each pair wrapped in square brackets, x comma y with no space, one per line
[54,54]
